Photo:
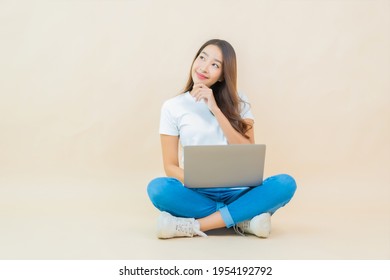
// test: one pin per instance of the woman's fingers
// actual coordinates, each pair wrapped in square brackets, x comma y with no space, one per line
[200,91]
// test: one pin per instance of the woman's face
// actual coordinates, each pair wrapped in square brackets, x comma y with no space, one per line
[207,67]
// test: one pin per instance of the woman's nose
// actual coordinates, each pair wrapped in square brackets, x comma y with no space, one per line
[203,68]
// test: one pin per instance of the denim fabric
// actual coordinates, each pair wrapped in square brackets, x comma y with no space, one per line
[235,204]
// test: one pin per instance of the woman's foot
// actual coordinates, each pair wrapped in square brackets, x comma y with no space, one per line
[169,226]
[260,226]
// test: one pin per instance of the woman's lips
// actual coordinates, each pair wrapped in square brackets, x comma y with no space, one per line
[200,76]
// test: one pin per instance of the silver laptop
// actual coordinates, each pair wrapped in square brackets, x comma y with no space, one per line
[210,166]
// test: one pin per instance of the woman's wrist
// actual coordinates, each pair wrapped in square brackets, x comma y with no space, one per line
[215,110]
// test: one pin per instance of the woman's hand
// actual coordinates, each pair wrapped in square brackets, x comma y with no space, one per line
[200,91]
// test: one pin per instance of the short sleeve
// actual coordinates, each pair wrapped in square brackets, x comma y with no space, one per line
[168,125]
[245,108]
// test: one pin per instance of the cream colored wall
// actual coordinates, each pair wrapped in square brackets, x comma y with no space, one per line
[82,82]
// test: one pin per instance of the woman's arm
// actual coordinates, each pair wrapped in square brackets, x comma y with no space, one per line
[170,149]
[232,135]
[200,92]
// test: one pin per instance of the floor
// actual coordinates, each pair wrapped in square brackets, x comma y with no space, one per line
[110,217]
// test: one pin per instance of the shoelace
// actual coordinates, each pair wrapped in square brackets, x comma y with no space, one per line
[200,233]
[196,229]
[189,228]
[238,230]
[185,227]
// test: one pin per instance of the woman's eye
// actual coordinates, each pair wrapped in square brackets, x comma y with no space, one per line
[201,57]
[215,65]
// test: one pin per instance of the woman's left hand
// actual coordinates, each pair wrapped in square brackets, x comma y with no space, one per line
[200,91]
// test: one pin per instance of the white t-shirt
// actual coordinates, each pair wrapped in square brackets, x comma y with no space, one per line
[193,122]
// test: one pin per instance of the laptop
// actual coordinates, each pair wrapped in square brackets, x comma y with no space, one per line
[215,166]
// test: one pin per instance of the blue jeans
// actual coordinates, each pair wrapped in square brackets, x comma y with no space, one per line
[235,204]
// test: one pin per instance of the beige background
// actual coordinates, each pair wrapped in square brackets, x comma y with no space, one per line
[81,85]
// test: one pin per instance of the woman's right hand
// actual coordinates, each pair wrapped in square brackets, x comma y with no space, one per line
[202,92]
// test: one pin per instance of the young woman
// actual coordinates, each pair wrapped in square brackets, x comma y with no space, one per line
[210,111]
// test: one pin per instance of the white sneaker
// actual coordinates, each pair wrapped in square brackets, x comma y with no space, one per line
[260,226]
[169,226]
